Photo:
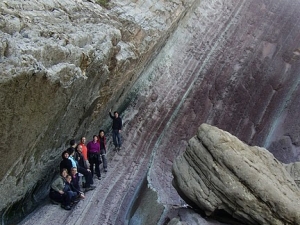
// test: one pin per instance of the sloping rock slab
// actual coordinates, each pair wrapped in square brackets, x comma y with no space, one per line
[219,172]
[294,170]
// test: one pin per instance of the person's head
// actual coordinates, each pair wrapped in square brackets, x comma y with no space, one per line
[83,140]
[116,114]
[65,154]
[70,151]
[72,142]
[73,171]
[95,138]
[79,148]
[101,133]
[64,172]
[68,178]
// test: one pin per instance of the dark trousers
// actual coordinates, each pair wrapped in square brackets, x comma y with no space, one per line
[87,175]
[117,138]
[64,199]
[94,161]
[103,157]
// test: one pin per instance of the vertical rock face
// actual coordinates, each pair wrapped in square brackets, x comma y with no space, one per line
[64,64]
[219,172]
[234,64]
[228,68]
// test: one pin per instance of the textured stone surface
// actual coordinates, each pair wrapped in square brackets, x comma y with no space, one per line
[294,170]
[233,64]
[63,65]
[220,172]
[222,76]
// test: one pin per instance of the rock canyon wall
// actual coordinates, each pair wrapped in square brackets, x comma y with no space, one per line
[167,66]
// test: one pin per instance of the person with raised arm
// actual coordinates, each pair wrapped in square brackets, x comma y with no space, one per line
[116,129]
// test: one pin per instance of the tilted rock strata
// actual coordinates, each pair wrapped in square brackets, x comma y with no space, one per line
[232,64]
[218,171]
[63,65]
[224,66]
[294,170]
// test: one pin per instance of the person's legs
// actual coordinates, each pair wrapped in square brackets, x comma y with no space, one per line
[92,162]
[72,195]
[104,161]
[97,169]
[115,133]
[87,175]
[67,197]
[56,197]
[118,137]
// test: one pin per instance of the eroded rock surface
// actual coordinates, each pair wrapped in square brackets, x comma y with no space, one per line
[64,64]
[294,170]
[231,63]
[219,172]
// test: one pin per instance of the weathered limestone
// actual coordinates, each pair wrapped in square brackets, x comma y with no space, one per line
[294,170]
[220,172]
[231,63]
[63,65]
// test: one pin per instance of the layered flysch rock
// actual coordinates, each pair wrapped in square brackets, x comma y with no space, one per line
[219,172]
[294,170]
[63,65]
[234,64]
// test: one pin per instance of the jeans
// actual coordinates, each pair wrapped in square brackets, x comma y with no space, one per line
[117,138]
[103,156]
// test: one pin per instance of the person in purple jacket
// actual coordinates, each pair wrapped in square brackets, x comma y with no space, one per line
[93,148]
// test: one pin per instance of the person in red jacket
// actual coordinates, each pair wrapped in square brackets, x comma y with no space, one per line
[102,141]
[84,148]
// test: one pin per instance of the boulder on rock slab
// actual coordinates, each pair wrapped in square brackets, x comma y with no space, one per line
[218,172]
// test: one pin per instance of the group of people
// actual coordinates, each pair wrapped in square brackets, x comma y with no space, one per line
[83,160]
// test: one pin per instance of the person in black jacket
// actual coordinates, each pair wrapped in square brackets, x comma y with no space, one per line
[116,129]
[66,162]
[102,141]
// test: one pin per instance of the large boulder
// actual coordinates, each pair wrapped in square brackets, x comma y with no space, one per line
[219,172]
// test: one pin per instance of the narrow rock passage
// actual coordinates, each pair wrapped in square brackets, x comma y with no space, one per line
[211,70]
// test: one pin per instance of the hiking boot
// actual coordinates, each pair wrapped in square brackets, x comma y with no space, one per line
[89,188]
[99,178]
[54,202]
[105,170]
[66,207]
[76,200]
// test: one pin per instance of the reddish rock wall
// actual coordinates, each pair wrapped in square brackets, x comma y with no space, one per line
[233,64]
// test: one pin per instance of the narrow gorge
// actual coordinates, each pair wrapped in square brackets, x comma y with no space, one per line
[167,67]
